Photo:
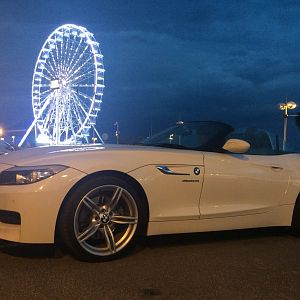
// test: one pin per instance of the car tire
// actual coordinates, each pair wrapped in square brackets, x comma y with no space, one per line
[101,219]
[296,218]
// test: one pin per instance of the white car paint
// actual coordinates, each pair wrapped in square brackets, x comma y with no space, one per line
[231,191]
[244,184]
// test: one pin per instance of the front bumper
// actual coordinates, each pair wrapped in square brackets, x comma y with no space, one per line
[38,205]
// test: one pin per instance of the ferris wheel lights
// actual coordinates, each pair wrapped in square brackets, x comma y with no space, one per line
[99,57]
[64,82]
[67,86]
[87,33]
[92,43]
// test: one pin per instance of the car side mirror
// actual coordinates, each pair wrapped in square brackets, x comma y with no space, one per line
[236,146]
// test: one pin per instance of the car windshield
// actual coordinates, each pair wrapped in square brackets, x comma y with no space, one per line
[206,136]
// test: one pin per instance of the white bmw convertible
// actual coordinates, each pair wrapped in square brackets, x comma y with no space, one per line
[193,177]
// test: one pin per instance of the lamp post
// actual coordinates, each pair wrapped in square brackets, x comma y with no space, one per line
[117,131]
[285,108]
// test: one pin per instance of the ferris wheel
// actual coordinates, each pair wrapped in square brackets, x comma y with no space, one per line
[67,87]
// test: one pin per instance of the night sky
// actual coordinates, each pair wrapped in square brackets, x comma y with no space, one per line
[165,60]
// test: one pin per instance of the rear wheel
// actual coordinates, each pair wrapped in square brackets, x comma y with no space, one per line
[101,219]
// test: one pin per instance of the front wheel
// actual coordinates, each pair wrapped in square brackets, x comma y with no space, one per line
[101,219]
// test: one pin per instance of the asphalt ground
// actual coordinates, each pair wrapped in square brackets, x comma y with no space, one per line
[244,264]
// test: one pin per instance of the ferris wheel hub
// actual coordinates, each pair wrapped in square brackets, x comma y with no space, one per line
[54,84]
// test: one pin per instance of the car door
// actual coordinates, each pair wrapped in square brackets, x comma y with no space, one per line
[239,184]
[173,189]
[173,184]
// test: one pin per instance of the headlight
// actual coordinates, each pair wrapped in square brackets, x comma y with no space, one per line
[25,175]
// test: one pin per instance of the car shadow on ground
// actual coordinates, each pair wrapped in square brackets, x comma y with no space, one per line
[30,250]
[215,236]
[52,251]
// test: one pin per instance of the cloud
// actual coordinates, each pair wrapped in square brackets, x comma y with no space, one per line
[200,59]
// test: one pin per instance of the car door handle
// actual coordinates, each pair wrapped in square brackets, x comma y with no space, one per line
[167,171]
[276,167]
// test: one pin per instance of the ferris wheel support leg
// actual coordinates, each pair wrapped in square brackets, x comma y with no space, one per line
[27,132]
[33,123]
[97,133]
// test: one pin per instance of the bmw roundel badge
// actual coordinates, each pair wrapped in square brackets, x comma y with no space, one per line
[196,170]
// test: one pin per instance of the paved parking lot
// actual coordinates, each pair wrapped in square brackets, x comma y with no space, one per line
[246,264]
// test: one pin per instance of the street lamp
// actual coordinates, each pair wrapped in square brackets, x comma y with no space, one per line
[285,108]
[117,131]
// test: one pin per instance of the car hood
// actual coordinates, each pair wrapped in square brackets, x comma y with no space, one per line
[91,158]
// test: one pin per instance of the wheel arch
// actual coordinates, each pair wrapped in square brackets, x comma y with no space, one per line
[109,173]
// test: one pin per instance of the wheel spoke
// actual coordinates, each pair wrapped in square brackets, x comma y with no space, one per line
[90,204]
[110,240]
[124,219]
[91,230]
[115,199]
